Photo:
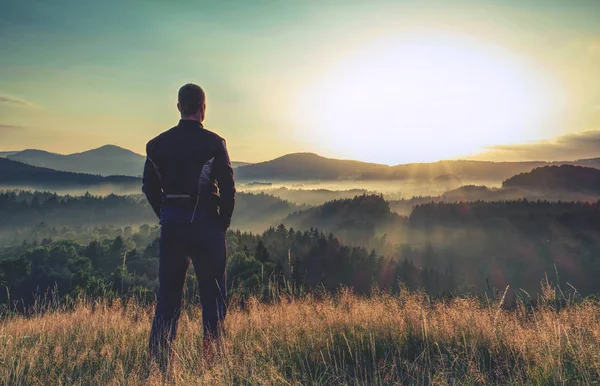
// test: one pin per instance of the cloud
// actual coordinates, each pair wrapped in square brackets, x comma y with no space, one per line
[10,100]
[564,148]
[8,128]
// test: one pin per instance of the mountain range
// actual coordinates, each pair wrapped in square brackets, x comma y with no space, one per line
[113,160]
[107,160]
[310,166]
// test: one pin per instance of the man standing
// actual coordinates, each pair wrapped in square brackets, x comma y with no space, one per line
[188,181]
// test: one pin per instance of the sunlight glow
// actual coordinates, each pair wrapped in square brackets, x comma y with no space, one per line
[426,97]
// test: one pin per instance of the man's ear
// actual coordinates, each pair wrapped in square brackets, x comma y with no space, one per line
[178,107]
[203,110]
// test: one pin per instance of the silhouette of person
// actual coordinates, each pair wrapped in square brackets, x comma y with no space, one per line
[188,181]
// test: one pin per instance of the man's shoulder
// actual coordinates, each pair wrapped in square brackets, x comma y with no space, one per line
[217,141]
[212,134]
[154,141]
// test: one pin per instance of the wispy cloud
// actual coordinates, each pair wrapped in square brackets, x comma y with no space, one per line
[7,128]
[11,100]
[564,148]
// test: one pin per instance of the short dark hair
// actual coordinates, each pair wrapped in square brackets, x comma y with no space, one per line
[190,98]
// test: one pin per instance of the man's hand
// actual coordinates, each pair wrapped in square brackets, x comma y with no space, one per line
[151,183]
[224,175]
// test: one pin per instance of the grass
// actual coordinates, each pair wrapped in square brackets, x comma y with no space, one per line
[336,340]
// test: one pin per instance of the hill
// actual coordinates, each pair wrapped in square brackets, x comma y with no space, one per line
[564,177]
[106,160]
[307,166]
[355,220]
[14,173]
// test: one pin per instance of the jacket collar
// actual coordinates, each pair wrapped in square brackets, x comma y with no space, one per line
[190,123]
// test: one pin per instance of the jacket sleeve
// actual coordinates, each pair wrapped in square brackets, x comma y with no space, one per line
[224,175]
[151,185]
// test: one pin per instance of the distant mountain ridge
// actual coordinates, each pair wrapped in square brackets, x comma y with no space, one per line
[310,166]
[18,174]
[307,166]
[114,160]
[107,160]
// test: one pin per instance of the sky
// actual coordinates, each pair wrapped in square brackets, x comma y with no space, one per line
[380,81]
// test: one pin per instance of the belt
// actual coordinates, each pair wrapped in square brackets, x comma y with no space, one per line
[167,196]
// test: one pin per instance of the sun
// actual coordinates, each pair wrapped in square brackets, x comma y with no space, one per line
[425,97]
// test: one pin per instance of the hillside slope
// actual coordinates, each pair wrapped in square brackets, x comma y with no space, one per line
[14,173]
[564,177]
[354,220]
[406,339]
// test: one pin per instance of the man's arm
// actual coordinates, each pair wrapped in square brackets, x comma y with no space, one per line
[224,175]
[151,185]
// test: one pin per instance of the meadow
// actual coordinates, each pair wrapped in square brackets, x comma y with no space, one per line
[338,339]
[348,293]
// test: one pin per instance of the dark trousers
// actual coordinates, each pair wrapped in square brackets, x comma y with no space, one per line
[204,245]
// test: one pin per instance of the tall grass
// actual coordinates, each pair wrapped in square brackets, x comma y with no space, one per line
[340,339]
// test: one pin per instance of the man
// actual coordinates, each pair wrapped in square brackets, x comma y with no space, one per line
[188,181]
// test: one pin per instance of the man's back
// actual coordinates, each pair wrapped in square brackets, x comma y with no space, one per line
[186,167]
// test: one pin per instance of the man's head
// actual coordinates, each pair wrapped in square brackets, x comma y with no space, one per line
[191,102]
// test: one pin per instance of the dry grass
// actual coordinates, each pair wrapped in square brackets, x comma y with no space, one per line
[338,340]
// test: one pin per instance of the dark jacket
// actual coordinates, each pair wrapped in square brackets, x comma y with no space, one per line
[188,176]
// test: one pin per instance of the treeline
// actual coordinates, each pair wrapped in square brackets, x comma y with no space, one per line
[311,259]
[254,212]
[280,258]
[471,193]
[572,215]
[23,208]
[564,177]
[365,220]
[513,242]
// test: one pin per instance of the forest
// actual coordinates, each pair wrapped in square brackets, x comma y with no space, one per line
[23,209]
[107,246]
[127,265]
